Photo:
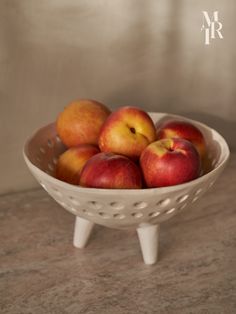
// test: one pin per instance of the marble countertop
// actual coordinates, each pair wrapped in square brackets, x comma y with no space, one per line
[41,272]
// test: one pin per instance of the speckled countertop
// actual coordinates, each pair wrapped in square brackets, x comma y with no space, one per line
[41,272]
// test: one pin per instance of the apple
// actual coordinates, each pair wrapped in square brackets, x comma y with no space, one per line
[71,162]
[127,131]
[80,122]
[111,171]
[169,162]
[183,129]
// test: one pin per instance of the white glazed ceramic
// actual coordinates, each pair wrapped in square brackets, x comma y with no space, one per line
[142,209]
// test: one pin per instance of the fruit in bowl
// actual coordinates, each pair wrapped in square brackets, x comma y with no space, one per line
[183,129]
[170,161]
[123,136]
[127,131]
[71,162]
[111,171]
[80,122]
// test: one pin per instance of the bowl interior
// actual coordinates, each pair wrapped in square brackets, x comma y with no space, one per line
[117,208]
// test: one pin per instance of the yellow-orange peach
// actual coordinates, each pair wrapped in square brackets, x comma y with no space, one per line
[81,121]
[71,162]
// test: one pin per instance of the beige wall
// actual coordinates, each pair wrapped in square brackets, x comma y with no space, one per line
[147,53]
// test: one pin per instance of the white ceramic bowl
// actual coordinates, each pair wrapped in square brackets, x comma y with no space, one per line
[142,209]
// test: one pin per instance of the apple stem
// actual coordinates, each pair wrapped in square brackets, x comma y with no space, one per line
[82,231]
[148,238]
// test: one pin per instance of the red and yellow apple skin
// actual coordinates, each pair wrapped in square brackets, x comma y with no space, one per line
[71,162]
[111,171]
[169,162]
[80,122]
[127,131]
[185,130]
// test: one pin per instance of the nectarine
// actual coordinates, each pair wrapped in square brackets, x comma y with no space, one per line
[111,171]
[183,129]
[169,162]
[127,131]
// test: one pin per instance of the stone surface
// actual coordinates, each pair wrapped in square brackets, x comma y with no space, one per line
[41,272]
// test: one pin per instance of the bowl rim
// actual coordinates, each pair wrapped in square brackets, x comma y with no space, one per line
[146,191]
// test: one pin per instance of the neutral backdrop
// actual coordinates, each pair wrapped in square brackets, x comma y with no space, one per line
[122,52]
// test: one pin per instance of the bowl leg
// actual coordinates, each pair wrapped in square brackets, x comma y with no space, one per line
[82,231]
[148,238]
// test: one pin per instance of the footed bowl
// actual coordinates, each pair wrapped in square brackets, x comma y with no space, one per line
[142,209]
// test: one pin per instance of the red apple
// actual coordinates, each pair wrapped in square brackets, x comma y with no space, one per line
[183,129]
[169,162]
[81,121]
[127,131]
[71,162]
[111,171]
